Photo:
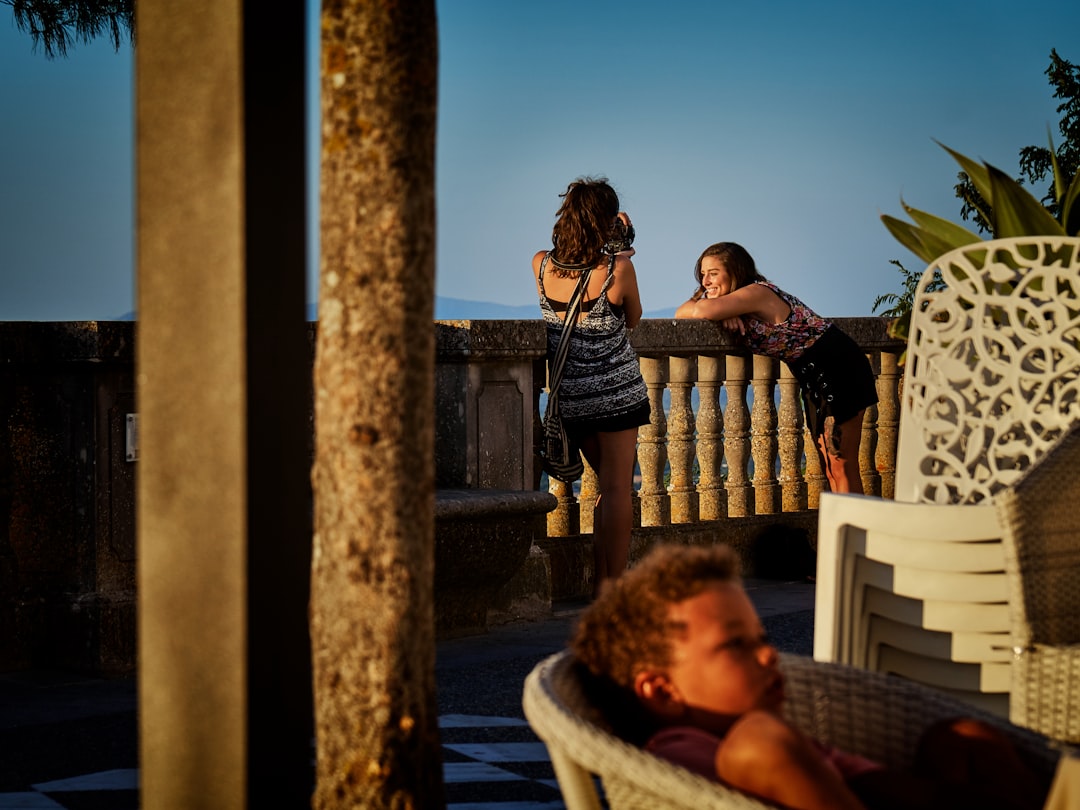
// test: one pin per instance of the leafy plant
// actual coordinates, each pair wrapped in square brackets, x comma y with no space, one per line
[902,302]
[1012,211]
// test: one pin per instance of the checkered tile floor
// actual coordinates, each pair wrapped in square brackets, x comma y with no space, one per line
[490,763]
[512,773]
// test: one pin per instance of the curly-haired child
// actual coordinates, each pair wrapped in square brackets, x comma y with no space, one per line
[678,650]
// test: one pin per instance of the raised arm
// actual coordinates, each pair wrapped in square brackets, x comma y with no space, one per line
[624,290]
[764,756]
[753,299]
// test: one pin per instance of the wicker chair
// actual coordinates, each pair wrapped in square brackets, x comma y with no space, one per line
[859,711]
[917,586]
[1041,517]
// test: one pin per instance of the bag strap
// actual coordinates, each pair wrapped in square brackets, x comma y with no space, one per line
[573,309]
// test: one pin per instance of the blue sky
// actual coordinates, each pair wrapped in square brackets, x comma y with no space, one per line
[786,126]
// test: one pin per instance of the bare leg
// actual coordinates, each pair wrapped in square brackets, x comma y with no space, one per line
[839,449]
[612,456]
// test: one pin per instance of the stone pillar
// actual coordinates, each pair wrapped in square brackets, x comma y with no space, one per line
[484,409]
[223,374]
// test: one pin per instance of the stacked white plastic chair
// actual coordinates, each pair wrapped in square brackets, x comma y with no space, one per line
[919,586]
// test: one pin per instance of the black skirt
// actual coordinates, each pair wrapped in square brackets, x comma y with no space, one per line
[836,380]
[636,417]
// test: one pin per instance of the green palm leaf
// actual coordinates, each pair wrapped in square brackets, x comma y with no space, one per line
[1066,197]
[1016,212]
[910,237]
[948,232]
[978,173]
[930,237]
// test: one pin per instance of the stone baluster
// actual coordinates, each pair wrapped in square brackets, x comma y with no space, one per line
[740,494]
[888,420]
[816,483]
[712,498]
[683,494]
[763,443]
[565,519]
[652,447]
[868,471]
[790,439]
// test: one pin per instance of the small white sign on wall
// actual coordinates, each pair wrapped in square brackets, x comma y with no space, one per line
[131,437]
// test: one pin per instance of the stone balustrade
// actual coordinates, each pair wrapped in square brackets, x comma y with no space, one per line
[727,437]
[723,458]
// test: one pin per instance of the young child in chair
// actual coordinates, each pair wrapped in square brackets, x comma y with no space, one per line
[676,650]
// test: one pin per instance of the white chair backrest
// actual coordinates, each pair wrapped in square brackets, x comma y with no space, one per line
[992,376]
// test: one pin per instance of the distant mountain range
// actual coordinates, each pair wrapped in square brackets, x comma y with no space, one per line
[457,309]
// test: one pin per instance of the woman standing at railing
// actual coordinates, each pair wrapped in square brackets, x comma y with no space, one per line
[836,379]
[603,398]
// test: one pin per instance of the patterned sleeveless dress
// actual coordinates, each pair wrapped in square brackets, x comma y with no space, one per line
[602,388]
[833,373]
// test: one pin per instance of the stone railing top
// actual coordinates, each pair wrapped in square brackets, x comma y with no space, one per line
[24,342]
[470,504]
[456,341]
[660,336]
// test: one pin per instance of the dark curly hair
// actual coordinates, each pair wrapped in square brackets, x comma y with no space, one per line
[737,261]
[627,630]
[585,222]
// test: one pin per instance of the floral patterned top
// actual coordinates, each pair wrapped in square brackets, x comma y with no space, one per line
[788,340]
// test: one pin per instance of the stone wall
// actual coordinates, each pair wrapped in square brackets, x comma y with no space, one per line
[67,496]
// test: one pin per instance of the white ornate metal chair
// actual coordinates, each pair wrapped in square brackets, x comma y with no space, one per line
[859,711]
[919,586]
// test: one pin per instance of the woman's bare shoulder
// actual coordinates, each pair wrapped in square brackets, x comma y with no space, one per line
[536,259]
[624,266]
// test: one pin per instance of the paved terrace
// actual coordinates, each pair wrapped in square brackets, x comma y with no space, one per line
[70,743]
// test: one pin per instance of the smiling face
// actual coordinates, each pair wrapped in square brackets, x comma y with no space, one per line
[715,277]
[721,665]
